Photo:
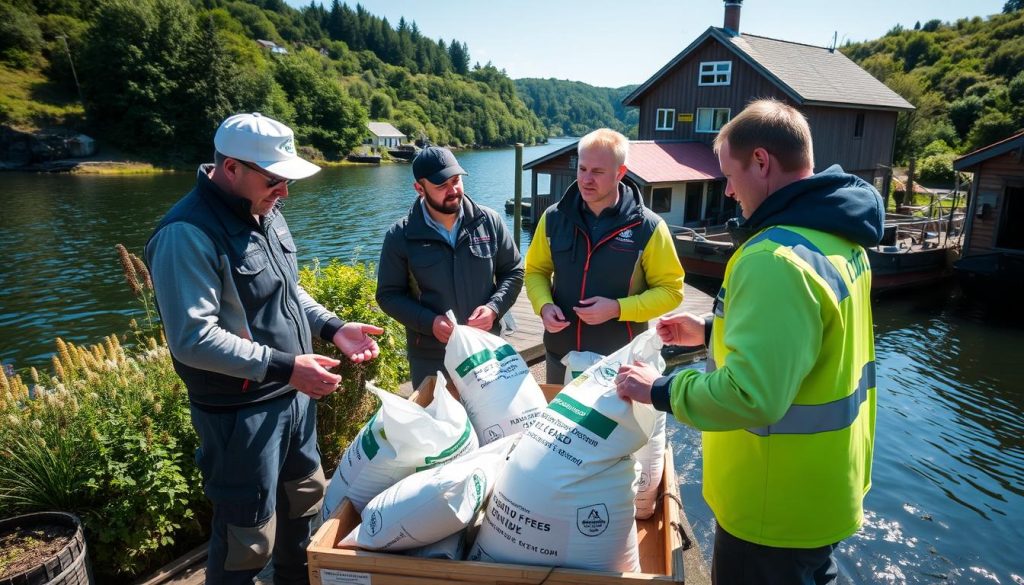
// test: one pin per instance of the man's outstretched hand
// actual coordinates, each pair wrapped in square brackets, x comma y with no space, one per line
[354,341]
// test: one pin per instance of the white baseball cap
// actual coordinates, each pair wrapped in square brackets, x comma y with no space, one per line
[264,142]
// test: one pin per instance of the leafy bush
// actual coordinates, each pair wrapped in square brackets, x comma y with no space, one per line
[107,434]
[106,437]
[349,290]
[20,38]
[937,167]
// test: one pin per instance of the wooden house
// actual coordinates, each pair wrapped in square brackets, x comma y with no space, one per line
[683,106]
[383,135]
[995,221]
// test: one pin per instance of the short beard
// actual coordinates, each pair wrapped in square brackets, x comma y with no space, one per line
[441,208]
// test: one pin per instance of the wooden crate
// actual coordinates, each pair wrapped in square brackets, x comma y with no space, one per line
[661,547]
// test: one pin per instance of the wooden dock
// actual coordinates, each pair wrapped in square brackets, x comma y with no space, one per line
[528,341]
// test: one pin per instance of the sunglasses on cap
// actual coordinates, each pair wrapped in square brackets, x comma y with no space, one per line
[271,180]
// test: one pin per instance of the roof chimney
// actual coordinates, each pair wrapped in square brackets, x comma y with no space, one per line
[732,16]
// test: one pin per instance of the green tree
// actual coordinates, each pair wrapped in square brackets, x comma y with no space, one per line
[964,112]
[20,38]
[132,79]
[325,116]
[1013,6]
[993,126]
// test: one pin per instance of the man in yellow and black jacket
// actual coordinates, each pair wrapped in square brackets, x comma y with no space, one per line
[788,403]
[601,265]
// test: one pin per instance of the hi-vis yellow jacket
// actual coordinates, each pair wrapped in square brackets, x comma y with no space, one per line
[789,413]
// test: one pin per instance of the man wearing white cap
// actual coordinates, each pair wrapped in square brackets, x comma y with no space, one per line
[240,330]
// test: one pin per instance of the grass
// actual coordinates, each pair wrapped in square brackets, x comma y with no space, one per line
[30,102]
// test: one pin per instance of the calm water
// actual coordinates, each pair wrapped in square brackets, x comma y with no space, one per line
[947,504]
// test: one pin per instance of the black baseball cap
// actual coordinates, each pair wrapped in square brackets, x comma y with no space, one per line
[436,164]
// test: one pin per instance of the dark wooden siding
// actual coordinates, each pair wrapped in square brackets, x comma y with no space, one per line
[679,90]
[562,175]
[992,178]
[832,129]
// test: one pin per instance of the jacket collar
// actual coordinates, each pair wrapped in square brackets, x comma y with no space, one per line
[239,210]
[417,228]
[630,203]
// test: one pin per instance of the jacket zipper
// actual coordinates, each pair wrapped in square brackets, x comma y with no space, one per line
[586,271]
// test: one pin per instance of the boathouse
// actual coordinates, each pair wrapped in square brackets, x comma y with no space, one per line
[995,213]
[683,106]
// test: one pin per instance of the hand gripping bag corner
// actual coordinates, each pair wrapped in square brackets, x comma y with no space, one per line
[566,495]
[495,384]
[400,439]
[430,505]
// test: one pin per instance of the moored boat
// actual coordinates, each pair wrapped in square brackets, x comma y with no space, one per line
[914,251]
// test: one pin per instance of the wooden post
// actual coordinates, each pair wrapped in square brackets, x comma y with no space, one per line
[908,197]
[517,213]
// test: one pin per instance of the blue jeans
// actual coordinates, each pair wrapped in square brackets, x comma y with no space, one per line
[738,562]
[261,470]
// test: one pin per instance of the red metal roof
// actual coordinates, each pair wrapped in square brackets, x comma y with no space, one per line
[672,162]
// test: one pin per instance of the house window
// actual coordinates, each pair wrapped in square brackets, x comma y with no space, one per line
[666,119]
[574,161]
[661,200]
[715,73]
[858,126]
[711,120]
[543,183]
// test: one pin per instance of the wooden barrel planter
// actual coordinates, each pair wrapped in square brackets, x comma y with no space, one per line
[66,566]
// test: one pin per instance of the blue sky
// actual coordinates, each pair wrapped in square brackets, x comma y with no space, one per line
[611,44]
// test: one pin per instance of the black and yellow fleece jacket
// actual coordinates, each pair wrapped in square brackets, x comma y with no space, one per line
[631,259]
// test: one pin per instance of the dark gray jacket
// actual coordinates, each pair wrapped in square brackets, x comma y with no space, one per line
[421,276]
[229,298]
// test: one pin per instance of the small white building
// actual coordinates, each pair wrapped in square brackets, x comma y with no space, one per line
[383,135]
[272,47]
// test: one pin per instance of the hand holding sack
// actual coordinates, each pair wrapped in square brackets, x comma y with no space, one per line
[566,496]
[495,384]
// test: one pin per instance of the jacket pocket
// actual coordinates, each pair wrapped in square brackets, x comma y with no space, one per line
[290,253]
[255,281]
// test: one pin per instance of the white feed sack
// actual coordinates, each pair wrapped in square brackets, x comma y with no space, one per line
[566,495]
[430,505]
[577,362]
[652,465]
[399,440]
[495,384]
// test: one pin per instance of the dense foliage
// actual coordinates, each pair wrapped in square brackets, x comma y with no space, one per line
[573,108]
[107,434]
[350,290]
[158,75]
[966,79]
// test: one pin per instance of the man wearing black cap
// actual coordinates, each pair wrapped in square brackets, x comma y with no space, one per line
[448,253]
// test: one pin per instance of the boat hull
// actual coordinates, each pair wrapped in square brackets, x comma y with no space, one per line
[892,267]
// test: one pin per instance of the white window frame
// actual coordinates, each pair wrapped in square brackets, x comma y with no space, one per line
[667,123]
[713,112]
[720,73]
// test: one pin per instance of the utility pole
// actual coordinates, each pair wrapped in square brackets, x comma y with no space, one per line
[64,39]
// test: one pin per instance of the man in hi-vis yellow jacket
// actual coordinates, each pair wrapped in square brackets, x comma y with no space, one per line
[787,405]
